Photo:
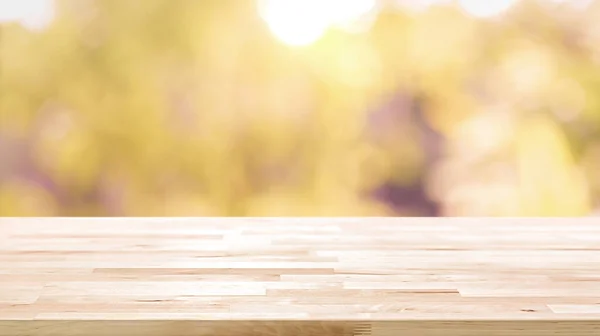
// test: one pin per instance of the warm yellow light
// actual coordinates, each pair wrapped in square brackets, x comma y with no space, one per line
[302,22]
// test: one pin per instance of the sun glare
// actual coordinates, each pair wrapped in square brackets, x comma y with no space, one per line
[303,22]
[486,8]
[295,22]
[32,14]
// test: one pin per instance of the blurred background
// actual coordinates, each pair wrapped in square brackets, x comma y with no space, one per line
[299,108]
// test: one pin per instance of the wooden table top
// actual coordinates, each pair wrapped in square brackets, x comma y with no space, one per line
[380,270]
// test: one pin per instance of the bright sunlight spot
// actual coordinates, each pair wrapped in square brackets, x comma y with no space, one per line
[303,22]
[32,14]
[486,8]
[295,22]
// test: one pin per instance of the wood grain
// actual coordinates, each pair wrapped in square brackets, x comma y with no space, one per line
[299,276]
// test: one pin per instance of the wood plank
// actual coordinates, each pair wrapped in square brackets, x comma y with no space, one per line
[299,276]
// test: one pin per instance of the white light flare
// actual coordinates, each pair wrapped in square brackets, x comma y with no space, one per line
[486,8]
[303,22]
[297,23]
[32,14]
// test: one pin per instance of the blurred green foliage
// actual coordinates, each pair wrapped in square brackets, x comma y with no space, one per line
[193,108]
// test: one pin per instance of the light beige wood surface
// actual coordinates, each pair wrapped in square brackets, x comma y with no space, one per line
[299,276]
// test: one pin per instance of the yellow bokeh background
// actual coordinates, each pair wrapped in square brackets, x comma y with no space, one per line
[301,108]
